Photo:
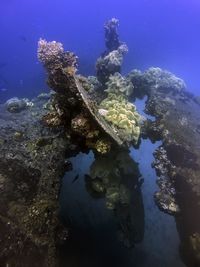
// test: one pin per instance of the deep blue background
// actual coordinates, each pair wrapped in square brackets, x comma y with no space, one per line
[158,32]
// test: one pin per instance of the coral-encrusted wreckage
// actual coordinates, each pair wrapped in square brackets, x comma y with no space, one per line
[98,114]
[100,121]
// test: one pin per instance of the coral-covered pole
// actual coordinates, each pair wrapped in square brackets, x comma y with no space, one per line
[111,60]
[111,35]
[61,68]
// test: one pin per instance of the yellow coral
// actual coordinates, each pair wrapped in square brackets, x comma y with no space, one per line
[122,115]
[102,146]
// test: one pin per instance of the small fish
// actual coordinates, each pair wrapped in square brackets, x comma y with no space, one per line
[75,178]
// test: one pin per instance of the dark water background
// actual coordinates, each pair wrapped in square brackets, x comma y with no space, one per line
[158,33]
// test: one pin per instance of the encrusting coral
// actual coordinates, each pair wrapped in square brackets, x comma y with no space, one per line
[111,36]
[49,52]
[111,63]
[111,60]
[102,146]
[105,178]
[116,108]
[71,104]
[75,105]
[155,79]
[53,56]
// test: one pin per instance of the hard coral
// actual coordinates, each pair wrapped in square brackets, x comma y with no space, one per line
[155,79]
[15,105]
[52,119]
[82,125]
[102,146]
[53,57]
[119,85]
[115,58]
[111,35]
[111,60]
[164,79]
[111,63]
[49,52]
[123,116]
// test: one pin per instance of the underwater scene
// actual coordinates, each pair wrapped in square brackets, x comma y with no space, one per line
[100,133]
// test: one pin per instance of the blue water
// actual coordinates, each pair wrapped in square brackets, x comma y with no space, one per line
[159,244]
[158,33]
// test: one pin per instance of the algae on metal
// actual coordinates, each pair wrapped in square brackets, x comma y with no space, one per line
[32,159]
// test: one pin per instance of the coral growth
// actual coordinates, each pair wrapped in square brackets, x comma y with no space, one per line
[61,68]
[71,105]
[52,56]
[122,115]
[164,79]
[155,79]
[60,65]
[105,174]
[32,159]
[115,108]
[111,63]
[118,111]
[103,146]
[111,35]
[82,121]
[49,52]
[15,105]
[115,177]
[111,60]
[82,126]
[117,84]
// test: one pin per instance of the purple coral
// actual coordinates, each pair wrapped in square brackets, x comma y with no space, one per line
[49,52]
[53,56]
